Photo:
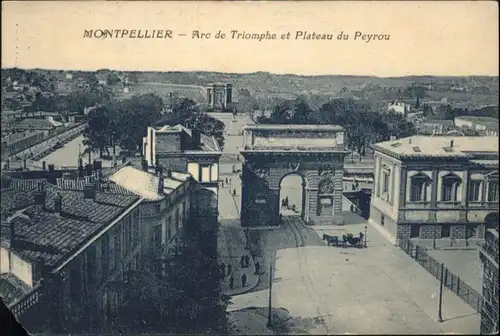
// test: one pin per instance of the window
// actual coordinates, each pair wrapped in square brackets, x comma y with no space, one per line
[75,285]
[493,191]
[475,190]
[471,231]
[177,219]
[445,231]
[205,173]
[157,208]
[157,236]
[449,188]
[386,174]
[105,254]
[418,188]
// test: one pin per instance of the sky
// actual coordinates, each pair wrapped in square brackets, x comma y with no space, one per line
[424,38]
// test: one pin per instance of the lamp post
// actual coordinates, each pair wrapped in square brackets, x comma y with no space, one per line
[434,237]
[440,314]
[246,240]
[366,230]
[269,316]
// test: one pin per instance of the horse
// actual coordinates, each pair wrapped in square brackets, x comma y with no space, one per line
[353,241]
[331,240]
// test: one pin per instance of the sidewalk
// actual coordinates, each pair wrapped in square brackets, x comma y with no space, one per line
[232,241]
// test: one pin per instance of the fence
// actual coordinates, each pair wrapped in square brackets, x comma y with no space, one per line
[450,280]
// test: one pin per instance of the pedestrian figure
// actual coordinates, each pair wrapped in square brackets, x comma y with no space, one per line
[242,262]
[243,280]
[234,192]
[223,269]
[238,157]
[229,269]
[231,282]
[357,184]
[257,267]
[247,261]
[222,184]
[286,201]
[226,181]
[352,187]
[352,207]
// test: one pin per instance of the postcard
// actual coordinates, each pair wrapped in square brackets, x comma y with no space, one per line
[249,168]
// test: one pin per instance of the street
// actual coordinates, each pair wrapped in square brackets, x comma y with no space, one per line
[328,290]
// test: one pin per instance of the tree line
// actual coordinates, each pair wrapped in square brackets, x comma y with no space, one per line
[363,126]
[124,123]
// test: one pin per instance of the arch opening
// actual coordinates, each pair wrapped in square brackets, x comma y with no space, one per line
[292,195]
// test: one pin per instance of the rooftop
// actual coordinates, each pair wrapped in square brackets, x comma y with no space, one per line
[294,127]
[145,184]
[439,146]
[33,123]
[206,143]
[51,236]
[12,288]
[16,137]
[478,119]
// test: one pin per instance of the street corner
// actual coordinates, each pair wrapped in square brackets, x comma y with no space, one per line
[240,286]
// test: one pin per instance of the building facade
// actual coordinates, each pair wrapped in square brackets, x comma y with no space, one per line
[220,95]
[186,151]
[489,256]
[435,187]
[68,248]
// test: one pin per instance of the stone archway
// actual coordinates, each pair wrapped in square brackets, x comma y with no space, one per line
[272,152]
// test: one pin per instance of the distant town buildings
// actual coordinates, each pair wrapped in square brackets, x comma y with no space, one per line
[220,95]
[483,125]
[489,255]
[399,107]
[435,187]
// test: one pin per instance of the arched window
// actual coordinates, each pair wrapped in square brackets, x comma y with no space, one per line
[418,187]
[449,188]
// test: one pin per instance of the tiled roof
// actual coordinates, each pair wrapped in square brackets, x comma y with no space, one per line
[13,200]
[439,146]
[24,184]
[51,236]
[13,138]
[487,163]
[478,119]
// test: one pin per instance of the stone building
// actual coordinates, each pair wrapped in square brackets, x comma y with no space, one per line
[220,95]
[435,187]
[61,250]
[489,257]
[186,151]
[272,152]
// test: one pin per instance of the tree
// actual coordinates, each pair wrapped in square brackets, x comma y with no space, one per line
[186,112]
[96,133]
[113,79]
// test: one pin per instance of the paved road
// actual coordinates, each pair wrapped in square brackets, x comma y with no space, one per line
[334,290]
[68,155]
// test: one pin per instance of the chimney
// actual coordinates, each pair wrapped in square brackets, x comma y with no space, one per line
[80,163]
[451,143]
[58,204]
[51,168]
[88,169]
[12,229]
[44,165]
[89,191]
[40,197]
[161,182]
